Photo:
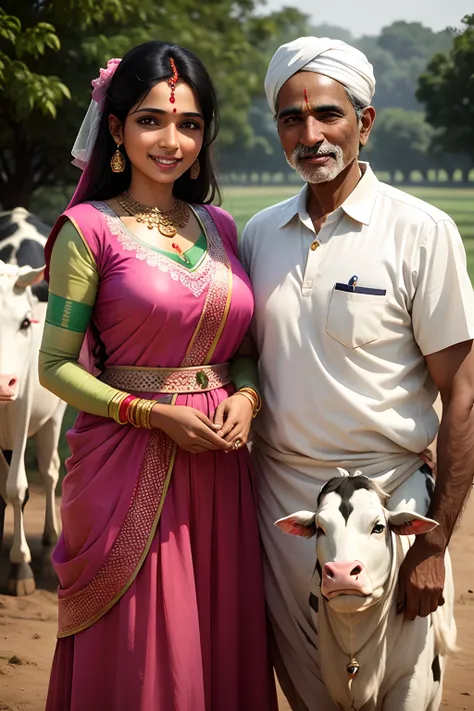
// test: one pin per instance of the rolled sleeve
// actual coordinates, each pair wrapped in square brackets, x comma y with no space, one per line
[443,303]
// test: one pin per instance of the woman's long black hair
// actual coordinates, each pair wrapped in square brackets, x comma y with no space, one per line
[138,72]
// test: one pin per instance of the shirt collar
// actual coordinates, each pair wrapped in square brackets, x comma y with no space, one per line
[359,205]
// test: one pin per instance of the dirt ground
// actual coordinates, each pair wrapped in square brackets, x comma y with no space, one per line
[28,624]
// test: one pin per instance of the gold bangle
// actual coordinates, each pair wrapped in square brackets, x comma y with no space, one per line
[252,401]
[257,401]
[139,413]
[145,413]
[132,413]
[114,407]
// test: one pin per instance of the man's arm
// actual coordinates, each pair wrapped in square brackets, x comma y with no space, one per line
[452,371]
[421,578]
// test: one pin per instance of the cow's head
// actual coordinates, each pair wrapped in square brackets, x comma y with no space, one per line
[16,317]
[354,546]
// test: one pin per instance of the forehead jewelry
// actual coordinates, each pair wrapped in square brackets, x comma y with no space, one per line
[172,81]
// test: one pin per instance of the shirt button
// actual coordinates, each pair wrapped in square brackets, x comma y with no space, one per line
[308,284]
[314,245]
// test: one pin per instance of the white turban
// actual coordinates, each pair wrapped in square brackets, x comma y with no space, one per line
[333,58]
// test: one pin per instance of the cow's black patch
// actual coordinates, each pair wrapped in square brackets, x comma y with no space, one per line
[7,228]
[319,571]
[30,253]
[429,479]
[6,253]
[313,602]
[436,669]
[346,508]
[345,487]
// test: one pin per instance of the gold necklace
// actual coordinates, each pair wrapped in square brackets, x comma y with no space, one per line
[167,221]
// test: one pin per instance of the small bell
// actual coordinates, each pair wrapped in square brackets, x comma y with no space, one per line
[353,668]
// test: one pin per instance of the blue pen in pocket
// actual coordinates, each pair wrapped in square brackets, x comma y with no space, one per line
[353,281]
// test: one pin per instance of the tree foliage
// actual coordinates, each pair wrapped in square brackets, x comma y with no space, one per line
[400,142]
[447,90]
[228,35]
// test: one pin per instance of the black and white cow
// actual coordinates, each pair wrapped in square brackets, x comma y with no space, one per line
[372,659]
[22,240]
[26,410]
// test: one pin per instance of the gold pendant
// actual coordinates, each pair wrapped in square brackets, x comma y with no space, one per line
[353,668]
[167,230]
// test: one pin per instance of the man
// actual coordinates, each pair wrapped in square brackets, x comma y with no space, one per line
[364,312]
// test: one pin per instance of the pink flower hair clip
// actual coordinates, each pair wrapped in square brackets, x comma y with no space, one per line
[101,84]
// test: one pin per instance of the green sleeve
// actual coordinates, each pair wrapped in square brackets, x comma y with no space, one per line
[72,293]
[244,373]
[244,365]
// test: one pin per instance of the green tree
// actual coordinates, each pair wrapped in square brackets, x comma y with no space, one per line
[399,55]
[400,142]
[24,92]
[228,35]
[447,90]
[412,39]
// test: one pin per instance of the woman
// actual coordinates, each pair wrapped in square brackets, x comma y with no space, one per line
[161,596]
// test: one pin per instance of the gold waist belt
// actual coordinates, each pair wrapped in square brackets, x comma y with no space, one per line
[167,380]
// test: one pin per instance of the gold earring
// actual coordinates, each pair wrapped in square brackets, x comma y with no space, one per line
[118,162]
[195,170]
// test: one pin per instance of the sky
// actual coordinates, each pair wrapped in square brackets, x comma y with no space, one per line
[367,17]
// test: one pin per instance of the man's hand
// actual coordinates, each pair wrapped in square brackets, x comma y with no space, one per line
[421,581]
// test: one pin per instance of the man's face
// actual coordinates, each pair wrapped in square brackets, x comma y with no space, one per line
[318,127]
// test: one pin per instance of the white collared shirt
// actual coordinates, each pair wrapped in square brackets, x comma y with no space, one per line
[343,375]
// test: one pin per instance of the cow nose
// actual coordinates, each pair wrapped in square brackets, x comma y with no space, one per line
[349,576]
[8,386]
[345,570]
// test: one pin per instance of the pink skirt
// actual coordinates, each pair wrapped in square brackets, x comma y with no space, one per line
[190,633]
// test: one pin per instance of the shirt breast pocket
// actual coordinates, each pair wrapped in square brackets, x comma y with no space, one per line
[355,315]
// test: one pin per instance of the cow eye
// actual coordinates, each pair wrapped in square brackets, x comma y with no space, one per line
[378,528]
[26,323]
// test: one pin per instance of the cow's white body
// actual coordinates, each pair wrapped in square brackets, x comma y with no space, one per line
[401,663]
[22,240]
[29,411]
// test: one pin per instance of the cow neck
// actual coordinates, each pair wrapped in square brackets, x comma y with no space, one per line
[360,635]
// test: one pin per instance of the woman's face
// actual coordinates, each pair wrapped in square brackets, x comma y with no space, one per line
[162,139]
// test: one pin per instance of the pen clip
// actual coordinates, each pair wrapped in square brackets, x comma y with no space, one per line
[353,281]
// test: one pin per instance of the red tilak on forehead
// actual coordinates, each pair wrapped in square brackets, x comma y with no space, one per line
[172,81]
[306,100]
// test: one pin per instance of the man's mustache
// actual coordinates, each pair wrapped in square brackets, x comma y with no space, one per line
[301,151]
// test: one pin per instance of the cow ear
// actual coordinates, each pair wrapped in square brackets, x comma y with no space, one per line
[409,523]
[28,276]
[300,523]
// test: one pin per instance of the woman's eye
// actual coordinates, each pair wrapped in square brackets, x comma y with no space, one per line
[378,528]
[26,323]
[190,125]
[147,121]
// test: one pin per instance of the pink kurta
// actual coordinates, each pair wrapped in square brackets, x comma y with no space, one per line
[161,603]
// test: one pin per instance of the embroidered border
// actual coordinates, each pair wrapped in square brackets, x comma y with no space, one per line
[80,610]
[196,280]
[216,308]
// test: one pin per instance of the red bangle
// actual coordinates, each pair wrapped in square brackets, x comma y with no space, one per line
[123,409]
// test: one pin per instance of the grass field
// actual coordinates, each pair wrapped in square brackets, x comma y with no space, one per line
[242,203]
